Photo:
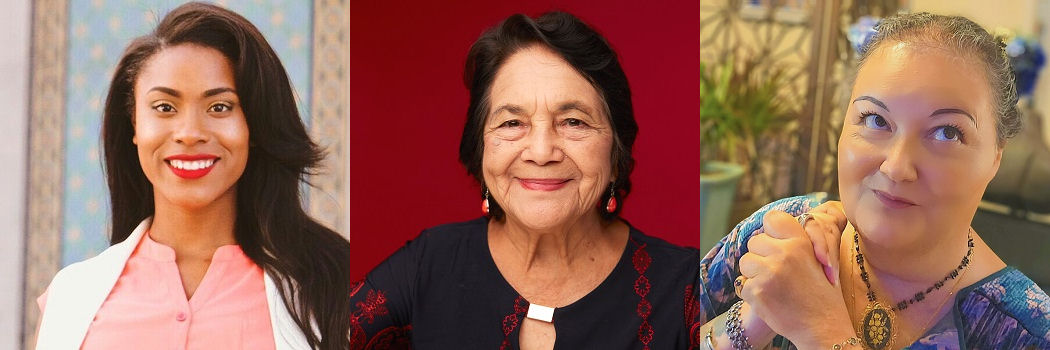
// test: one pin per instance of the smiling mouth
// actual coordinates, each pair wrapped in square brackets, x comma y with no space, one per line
[191,167]
[543,184]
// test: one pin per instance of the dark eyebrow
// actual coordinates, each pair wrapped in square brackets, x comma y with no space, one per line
[208,93]
[217,91]
[954,111]
[166,90]
[872,100]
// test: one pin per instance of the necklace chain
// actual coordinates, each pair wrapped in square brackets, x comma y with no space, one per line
[921,295]
[873,304]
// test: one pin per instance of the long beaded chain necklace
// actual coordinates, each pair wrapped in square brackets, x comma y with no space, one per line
[877,326]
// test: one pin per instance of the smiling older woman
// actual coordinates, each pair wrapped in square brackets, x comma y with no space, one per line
[931,109]
[548,135]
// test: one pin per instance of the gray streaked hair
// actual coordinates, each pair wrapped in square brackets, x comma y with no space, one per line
[967,38]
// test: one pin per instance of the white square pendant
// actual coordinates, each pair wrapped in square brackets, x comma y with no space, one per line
[540,313]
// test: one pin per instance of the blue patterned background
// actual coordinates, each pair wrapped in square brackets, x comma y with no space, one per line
[99,30]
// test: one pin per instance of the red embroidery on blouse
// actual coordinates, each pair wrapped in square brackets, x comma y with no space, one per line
[641,262]
[692,310]
[641,286]
[641,258]
[373,306]
[645,334]
[511,322]
[356,287]
[390,338]
[692,307]
[644,308]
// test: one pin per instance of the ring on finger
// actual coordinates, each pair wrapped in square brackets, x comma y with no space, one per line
[738,284]
[802,219]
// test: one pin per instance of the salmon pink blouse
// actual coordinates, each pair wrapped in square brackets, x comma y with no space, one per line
[148,309]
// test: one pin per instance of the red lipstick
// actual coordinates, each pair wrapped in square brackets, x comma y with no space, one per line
[191,166]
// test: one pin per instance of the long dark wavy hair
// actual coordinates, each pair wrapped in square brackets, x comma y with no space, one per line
[308,262]
[587,52]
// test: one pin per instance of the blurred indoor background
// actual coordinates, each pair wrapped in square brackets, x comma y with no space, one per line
[800,54]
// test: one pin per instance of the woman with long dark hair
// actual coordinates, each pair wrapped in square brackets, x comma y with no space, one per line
[205,152]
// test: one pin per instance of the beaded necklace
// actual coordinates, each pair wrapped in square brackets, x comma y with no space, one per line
[877,326]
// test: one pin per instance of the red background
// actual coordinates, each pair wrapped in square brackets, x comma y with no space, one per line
[408,104]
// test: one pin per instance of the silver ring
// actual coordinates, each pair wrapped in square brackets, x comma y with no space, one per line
[802,219]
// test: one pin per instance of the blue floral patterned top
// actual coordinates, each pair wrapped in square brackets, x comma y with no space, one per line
[1005,310]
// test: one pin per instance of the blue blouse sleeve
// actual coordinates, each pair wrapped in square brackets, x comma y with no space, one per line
[1006,310]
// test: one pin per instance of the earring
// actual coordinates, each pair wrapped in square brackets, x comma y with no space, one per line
[485,204]
[610,206]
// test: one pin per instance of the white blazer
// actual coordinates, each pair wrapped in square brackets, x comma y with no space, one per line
[78,291]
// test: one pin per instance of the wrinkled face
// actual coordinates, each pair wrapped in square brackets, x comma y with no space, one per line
[918,144]
[190,129]
[548,141]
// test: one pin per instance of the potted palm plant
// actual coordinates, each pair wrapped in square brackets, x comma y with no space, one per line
[741,119]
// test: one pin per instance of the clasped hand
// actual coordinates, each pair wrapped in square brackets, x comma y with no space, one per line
[791,277]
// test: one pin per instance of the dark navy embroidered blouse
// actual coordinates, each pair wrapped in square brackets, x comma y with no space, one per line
[442,290]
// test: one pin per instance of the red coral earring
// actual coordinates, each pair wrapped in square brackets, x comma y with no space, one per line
[485,204]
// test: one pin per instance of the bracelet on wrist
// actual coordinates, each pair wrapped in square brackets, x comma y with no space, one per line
[851,341]
[710,341]
[735,328]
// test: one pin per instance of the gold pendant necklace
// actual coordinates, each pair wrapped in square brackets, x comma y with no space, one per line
[878,326]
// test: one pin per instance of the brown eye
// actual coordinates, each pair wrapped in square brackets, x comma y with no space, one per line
[573,122]
[219,108]
[514,123]
[164,108]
